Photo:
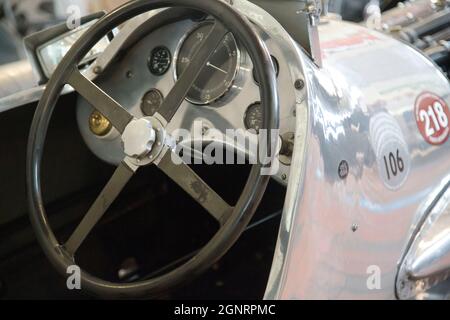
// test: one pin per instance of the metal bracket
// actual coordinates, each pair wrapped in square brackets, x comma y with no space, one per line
[301,19]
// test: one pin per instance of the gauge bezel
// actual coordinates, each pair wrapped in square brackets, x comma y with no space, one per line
[149,60]
[236,71]
[160,94]
[248,128]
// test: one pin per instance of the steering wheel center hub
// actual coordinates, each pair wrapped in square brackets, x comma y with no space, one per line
[138,138]
[144,140]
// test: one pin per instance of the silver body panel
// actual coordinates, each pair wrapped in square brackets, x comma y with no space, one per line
[342,229]
[16,77]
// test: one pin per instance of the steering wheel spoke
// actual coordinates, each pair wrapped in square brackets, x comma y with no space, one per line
[101,101]
[110,192]
[198,189]
[185,82]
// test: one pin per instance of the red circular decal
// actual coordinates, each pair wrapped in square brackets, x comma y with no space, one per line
[432,117]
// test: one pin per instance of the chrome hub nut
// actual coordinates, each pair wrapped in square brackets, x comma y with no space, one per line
[138,138]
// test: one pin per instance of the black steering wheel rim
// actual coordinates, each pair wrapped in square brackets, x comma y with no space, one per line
[250,197]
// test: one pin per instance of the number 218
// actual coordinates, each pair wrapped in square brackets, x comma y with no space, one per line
[435,118]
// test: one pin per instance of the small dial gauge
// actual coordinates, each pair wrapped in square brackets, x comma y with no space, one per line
[159,61]
[99,125]
[151,102]
[254,117]
[275,64]
[220,70]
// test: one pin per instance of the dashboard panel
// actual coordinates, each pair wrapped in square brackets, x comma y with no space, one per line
[225,96]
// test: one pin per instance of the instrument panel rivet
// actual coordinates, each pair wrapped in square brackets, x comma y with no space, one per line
[299,84]
[98,70]
[284,176]
[354,227]
[129,74]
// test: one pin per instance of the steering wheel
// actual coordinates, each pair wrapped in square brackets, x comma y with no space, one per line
[146,142]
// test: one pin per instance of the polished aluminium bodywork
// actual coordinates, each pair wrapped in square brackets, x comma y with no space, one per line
[336,228]
[424,267]
[345,228]
[16,77]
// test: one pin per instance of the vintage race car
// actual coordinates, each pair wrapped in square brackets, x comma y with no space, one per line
[229,149]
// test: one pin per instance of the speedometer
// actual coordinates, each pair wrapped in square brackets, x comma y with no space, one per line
[220,70]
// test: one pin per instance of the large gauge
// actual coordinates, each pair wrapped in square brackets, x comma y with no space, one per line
[219,72]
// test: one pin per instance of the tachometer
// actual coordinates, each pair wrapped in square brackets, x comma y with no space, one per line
[220,71]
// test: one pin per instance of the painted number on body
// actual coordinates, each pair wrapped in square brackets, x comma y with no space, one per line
[394,164]
[432,117]
[391,150]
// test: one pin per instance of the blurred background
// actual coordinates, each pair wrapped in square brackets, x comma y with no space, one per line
[425,24]
[19,18]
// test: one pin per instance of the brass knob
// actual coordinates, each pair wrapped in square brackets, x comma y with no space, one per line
[99,125]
